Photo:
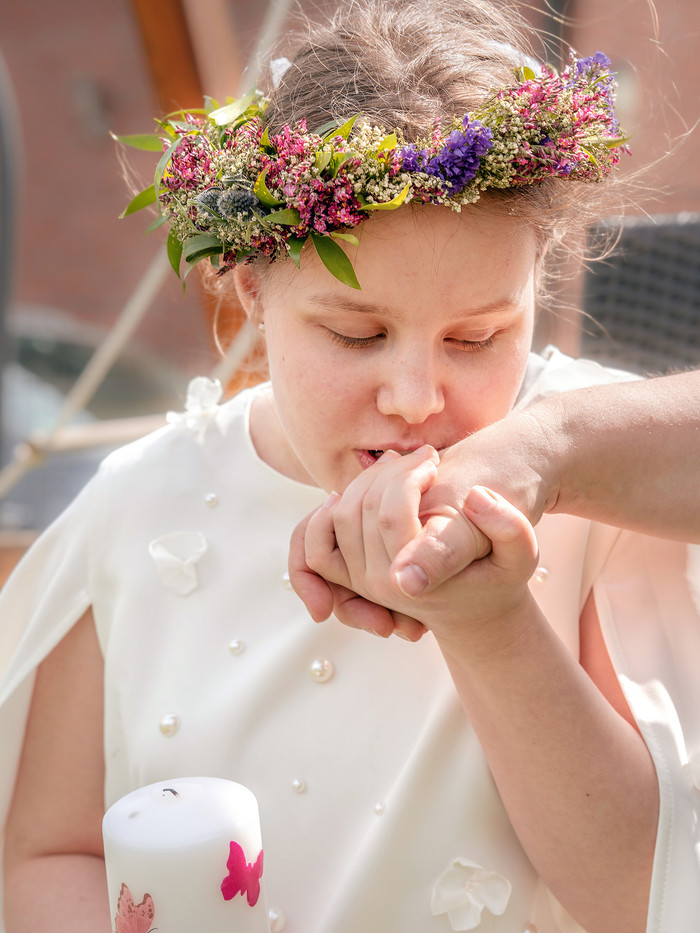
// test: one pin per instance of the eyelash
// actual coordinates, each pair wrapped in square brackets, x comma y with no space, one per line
[354,341]
[470,346]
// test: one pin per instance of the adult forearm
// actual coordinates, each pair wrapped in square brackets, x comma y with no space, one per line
[575,777]
[628,454]
[57,894]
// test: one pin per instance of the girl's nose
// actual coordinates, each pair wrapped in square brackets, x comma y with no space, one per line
[411,390]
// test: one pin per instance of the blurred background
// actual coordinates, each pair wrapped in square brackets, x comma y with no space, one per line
[72,274]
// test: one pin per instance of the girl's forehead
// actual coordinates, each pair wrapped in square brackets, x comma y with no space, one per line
[478,257]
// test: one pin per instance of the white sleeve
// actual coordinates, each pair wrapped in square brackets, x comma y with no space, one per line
[647,601]
[44,597]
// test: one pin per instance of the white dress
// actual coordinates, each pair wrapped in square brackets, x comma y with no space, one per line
[374,794]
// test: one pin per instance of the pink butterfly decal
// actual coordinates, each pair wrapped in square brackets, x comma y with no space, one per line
[133,918]
[243,877]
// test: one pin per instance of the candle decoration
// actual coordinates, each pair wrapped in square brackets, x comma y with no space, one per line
[184,855]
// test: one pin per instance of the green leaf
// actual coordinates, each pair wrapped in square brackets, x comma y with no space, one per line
[263,193]
[210,104]
[591,157]
[325,128]
[163,161]
[387,205]
[338,160]
[289,216]
[343,130]
[158,222]
[348,237]
[335,260]
[149,142]
[182,113]
[200,246]
[613,143]
[524,73]
[225,115]
[174,248]
[322,160]
[265,141]
[142,199]
[295,244]
[389,142]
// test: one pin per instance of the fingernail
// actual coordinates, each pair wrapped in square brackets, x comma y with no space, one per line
[388,455]
[402,635]
[331,500]
[479,499]
[372,632]
[412,580]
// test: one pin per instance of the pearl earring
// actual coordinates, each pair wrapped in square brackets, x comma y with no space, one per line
[261,326]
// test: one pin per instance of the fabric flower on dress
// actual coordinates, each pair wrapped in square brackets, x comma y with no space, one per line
[201,405]
[464,889]
[175,556]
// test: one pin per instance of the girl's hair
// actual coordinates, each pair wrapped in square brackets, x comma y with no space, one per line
[401,63]
[407,64]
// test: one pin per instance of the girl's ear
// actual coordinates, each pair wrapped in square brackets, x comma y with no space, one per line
[248,287]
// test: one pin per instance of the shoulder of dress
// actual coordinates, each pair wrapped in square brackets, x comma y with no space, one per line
[193,434]
[557,372]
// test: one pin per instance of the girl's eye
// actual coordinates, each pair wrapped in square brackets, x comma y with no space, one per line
[471,346]
[345,341]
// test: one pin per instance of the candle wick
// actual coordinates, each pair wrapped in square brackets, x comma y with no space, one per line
[170,790]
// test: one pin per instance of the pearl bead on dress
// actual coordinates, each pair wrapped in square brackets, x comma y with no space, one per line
[321,670]
[278,921]
[169,724]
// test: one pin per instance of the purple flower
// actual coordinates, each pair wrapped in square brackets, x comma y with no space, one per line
[600,59]
[597,68]
[414,160]
[459,159]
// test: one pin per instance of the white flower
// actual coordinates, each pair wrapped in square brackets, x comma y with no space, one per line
[278,68]
[175,556]
[203,396]
[464,889]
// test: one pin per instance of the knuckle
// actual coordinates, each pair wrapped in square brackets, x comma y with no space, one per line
[388,520]
[440,557]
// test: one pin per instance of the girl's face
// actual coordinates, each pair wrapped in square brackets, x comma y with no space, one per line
[433,348]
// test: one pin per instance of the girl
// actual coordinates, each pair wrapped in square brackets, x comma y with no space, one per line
[151,632]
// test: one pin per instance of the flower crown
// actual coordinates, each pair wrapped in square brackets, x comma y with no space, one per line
[231,190]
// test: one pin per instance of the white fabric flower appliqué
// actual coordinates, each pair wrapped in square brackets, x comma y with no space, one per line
[203,397]
[464,889]
[175,556]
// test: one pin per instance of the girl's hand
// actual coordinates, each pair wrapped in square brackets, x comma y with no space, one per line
[398,502]
[352,541]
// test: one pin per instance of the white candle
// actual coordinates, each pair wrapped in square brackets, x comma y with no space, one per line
[183,856]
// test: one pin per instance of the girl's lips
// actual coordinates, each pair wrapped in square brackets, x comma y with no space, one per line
[368,457]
